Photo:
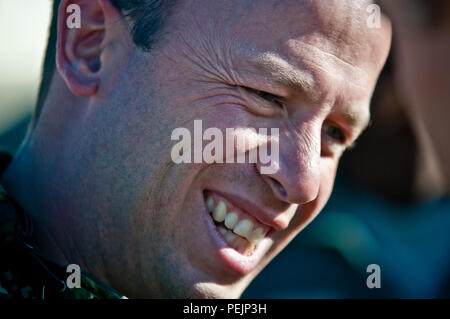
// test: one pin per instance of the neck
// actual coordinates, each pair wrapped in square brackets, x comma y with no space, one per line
[23,183]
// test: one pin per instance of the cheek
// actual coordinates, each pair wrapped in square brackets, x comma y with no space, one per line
[328,168]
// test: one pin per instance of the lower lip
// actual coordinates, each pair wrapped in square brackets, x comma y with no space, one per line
[235,261]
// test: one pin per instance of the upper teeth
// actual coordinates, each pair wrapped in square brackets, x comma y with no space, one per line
[220,212]
[210,203]
[243,228]
[231,220]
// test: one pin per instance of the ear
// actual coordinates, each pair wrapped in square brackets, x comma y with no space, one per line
[80,46]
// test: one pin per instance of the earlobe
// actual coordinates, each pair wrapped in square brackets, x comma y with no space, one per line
[79,49]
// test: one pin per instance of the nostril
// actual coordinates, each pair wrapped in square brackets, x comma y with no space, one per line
[278,187]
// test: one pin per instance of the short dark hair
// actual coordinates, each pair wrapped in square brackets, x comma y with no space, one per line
[147,16]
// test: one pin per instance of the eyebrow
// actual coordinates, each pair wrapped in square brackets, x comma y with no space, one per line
[356,120]
[284,73]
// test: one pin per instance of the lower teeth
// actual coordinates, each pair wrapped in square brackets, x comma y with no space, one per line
[238,243]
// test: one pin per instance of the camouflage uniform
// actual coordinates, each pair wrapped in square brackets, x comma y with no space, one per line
[27,274]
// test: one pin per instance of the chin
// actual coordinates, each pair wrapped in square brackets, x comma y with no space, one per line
[215,291]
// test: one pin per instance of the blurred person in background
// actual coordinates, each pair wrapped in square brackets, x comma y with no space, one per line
[422,53]
[390,205]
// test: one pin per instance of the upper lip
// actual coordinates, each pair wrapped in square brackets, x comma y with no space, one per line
[264,215]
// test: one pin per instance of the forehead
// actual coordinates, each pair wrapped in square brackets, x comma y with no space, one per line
[338,27]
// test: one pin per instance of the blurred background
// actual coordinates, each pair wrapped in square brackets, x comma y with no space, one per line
[23,34]
[388,207]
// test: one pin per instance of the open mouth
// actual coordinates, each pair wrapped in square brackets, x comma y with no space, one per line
[240,231]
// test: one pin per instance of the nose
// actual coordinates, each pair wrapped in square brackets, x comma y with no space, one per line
[297,177]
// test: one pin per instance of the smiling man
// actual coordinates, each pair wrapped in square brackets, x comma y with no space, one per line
[96,177]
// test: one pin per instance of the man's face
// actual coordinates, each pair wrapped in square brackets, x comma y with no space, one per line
[217,63]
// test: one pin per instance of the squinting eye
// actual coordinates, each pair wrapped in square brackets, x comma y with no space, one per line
[335,133]
[269,97]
